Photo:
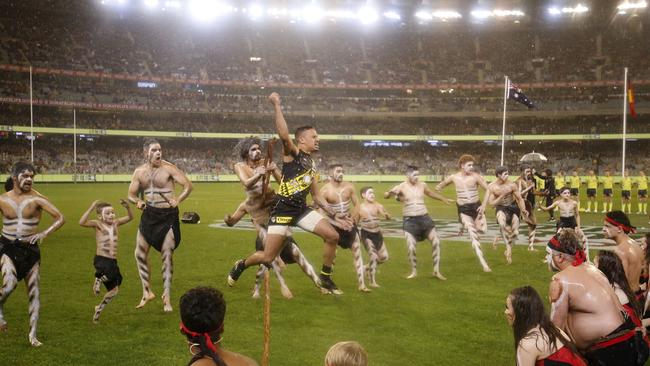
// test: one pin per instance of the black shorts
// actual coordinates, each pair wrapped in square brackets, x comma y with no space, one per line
[626,194]
[469,209]
[23,255]
[627,349]
[591,192]
[643,193]
[607,192]
[566,223]
[287,215]
[574,191]
[510,211]
[155,223]
[377,239]
[347,237]
[418,226]
[108,267]
[286,254]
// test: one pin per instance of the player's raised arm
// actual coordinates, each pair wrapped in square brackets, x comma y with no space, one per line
[129,214]
[83,221]
[289,148]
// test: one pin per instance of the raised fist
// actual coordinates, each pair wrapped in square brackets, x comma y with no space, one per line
[274,98]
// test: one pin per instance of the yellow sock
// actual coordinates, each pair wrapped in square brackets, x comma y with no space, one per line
[640,206]
[588,205]
[611,204]
[595,206]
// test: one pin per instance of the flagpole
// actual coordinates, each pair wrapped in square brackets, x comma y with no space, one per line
[74,144]
[624,122]
[503,128]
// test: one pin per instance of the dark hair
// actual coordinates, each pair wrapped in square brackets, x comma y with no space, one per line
[569,241]
[245,144]
[364,190]
[464,159]
[610,264]
[621,218]
[549,172]
[202,311]
[100,206]
[565,188]
[529,313]
[500,170]
[301,130]
[148,142]
[16,170]
[524,167]
[411,169]
[334,166]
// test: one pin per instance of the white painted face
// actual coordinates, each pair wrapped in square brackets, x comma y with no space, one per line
[255,152]
[566,194]
[504,176]
[108,214]
[510,311]
[550,260]
[413,176]
[154,155]
[337,174]
[25,180]
[468,167]
[369,195]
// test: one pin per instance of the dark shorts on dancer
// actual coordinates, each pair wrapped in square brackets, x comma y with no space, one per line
[642,193]
[607,192]
[418,226]
[377,239]
[284,215]
[574,191]
[286,254]
[108,267]
[624,346]
[156,222]
[22,254]
[626,194]
[566,223]
[469,209]
[591,192]
[510,211]
[346,237]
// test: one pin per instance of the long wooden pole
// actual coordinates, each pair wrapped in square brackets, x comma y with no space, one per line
[266,351]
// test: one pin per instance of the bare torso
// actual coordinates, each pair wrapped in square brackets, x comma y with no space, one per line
[21,214]
[412,198]
[567,208]
[106,238]
[156,183]
[466,187]
[631,256]
[504,189]
[338,197]
[370,215]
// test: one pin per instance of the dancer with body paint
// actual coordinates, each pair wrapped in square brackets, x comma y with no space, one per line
[370,214]
[470,210]
[526,184]
[20,255]
[342,206]
[569,211]
[289,208]
[159,225]
[505,196]
[417,223]
[107,271]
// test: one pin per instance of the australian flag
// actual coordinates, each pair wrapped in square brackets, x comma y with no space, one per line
[516,94]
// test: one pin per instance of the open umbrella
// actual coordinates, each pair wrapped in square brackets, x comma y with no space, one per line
[533,157]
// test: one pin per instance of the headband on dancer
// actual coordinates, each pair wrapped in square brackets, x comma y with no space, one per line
[580,256]
[626,229]
[206,336]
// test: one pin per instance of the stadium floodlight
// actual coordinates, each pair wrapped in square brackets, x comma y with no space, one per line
[312,13]
[481,14]
[207,10]
[340,14]
[255,11]
[392,15]
[446,14]
[151,4]
[173,4]
[627,5]
[578,9]
[499,13]
[424,15]
[277,12]
[367,15]
[554,11]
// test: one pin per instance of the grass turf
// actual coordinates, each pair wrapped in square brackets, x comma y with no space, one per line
[422,321]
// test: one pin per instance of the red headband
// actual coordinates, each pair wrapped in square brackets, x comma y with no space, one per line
[626,229]
[579,255]
[206,335]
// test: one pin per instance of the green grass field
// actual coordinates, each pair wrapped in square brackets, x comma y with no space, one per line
[417,322]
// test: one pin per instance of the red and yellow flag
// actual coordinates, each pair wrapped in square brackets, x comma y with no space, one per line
[630,99]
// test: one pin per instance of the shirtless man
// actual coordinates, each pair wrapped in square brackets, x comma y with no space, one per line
[159,225]
[470,210]
[105,262]
[526,184]
[20,255]
[417,223]
[342,204]
[505,196]
[370,214]
[584,304]
[617,227]
[289,207]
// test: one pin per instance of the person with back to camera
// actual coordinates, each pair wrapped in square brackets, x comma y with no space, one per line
[348,353]
[203,310]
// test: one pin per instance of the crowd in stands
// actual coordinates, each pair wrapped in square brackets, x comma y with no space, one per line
[121,155]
